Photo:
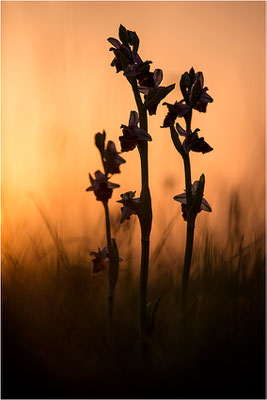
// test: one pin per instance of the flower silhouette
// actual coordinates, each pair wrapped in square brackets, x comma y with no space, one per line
[130,205]
[178,109]
[141,71]
[112,159]
[181,198]
[132,134]
[101,186]
[198,96]
[193,142]
[101,260]
[122,50]
[123,55]
[155,93]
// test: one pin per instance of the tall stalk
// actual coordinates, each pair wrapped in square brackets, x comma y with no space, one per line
[195,97]
[146,220]
[110,305]
[103,189]
[142,80]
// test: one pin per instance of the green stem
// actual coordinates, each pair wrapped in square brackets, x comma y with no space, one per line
[110,288]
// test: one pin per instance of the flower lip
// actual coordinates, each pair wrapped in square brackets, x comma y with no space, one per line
[115,42]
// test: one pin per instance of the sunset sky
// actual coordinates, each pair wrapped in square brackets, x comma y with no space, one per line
[58,90]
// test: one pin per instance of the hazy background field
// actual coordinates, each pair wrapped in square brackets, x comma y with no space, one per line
[58,90]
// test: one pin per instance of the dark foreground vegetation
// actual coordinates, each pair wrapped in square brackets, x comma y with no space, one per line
[54,324]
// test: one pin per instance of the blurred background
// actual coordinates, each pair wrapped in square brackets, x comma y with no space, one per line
[58,90]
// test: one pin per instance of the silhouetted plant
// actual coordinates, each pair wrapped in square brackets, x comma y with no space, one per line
[103,189]
[145,82]
[194,97]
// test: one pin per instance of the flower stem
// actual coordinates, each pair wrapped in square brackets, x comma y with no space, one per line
[188,183]
[147,217]
[110,288]
[143,284]
[190,225]
[190,217]
[187,263]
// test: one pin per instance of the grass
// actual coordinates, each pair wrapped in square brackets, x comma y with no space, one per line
[53,324]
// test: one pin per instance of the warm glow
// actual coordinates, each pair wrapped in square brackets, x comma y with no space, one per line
[58,90]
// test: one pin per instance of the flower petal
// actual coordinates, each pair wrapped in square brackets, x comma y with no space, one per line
[111,185]
[133,120]
[158,76]
[181,198]
[142,134]
[115,42]
[205,206]
[131,71]
[137,59]
[181,131]
[143,89]
[200,77]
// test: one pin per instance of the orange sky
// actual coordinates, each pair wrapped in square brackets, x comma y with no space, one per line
[58,90]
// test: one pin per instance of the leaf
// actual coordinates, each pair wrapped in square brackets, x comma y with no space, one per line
[197,199]
[155,95]
[100,141]
[151,310]
[145,211]
[123,35]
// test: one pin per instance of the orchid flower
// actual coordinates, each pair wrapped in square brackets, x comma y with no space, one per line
[112,159]
[101,186]
[130,205]
[193,142]
[132,134]
[178,109]
[101,260]
[181,198]
[122,50]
